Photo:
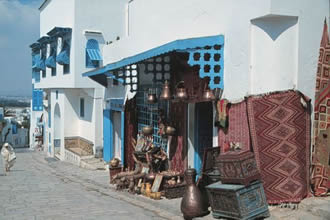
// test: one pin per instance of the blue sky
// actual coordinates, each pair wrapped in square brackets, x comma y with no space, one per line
[19,27]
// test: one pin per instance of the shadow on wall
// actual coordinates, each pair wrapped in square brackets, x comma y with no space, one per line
[275,25]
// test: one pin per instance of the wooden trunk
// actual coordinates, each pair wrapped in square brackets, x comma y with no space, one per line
[238,201]
[236,167]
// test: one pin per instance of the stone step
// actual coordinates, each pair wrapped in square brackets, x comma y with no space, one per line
[93,164]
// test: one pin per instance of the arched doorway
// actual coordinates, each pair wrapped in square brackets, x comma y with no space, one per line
[57,129]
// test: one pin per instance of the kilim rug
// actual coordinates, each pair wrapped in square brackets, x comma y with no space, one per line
[130,132]
[238,129]
[321,137]
[178,147]
[280,134]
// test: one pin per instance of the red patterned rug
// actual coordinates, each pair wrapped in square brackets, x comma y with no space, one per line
[321,136]
[238,129]
[280,134]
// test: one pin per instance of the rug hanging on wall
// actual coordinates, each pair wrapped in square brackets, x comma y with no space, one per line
[321,137]
[280,133]
[237,133]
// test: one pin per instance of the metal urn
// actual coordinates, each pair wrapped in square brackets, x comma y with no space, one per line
[166,92]
[193,203]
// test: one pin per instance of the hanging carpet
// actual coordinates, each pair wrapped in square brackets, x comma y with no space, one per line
[130,131]
[178,146]
[280,134]
[321,138]
[237,130]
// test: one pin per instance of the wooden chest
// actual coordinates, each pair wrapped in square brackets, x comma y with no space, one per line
[238,201]
[236,167]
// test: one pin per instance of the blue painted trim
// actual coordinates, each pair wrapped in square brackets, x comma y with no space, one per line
[197,160]
[183,45]
[111,134]
[117,105]
[106,135]
[122,137]
[114,77]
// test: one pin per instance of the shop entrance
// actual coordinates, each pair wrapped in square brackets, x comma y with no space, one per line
[203,131]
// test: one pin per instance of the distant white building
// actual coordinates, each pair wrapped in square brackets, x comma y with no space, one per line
[14,134]
[67,108]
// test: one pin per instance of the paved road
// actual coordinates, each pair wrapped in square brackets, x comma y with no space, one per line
[43,188]
[37,189]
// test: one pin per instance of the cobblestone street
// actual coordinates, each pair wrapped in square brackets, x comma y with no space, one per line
[44,188]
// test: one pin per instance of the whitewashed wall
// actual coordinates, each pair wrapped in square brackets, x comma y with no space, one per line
[293,54]
[105,16]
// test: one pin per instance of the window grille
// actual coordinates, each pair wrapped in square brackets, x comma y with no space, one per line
[148,114]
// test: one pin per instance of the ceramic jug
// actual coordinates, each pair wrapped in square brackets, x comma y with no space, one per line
[192,203]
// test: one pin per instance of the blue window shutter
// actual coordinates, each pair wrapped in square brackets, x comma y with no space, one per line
[64,56]
[93,54]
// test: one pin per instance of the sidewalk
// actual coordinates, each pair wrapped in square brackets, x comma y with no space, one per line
[98,181]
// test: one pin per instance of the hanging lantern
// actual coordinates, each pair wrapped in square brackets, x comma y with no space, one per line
[166,92]
[152,99]
[181,92]
[208,95]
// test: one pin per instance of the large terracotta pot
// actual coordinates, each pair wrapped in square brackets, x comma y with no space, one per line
[193,203]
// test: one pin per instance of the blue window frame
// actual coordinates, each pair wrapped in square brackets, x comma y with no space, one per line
[36,75]
[63,58]
[93,54]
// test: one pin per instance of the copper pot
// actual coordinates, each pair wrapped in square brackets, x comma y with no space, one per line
[147,130]
[170,131]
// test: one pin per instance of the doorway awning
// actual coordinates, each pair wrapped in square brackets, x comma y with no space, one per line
[189,45]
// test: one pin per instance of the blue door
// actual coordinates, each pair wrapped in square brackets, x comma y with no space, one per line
[107,136]
[203,132]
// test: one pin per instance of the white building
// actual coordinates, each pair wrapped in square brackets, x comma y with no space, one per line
[12,133]
[267,45]
[72,37]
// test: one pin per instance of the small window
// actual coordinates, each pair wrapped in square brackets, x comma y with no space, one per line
[43,73]
[56,94]
[93,54]
[66,68]
[82,107]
